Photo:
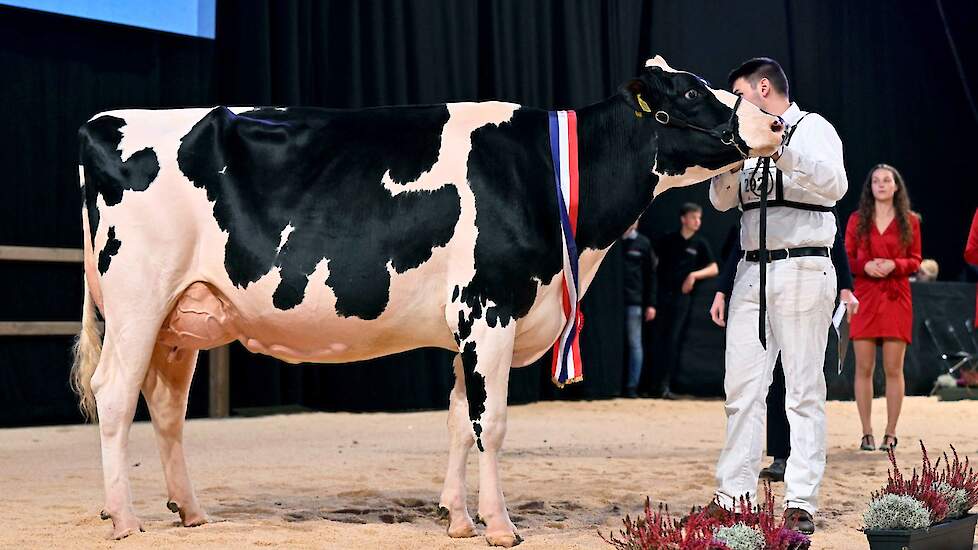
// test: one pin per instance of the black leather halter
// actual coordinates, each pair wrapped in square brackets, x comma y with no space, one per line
[723,132]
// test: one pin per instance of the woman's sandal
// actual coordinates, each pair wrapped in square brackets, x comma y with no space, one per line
[889,442]
[867,443]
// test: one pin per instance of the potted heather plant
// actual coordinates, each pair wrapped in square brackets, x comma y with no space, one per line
[929,511]
[752,528]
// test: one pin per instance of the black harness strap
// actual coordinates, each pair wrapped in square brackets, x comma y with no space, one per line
[762,255]
[762,252]
[779,199]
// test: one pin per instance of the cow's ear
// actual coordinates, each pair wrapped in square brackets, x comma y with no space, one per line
[638,95]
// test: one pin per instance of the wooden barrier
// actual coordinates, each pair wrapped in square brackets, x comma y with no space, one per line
[39,254]
[219,359]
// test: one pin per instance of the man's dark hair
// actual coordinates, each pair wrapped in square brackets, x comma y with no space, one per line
[689,207]
[756,69]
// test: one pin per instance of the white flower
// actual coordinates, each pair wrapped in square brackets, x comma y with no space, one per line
[957,500]
[740,537]
[896,512]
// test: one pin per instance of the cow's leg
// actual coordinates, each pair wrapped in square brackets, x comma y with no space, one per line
[461,440]
[120,373]
[486,360]
[166,389]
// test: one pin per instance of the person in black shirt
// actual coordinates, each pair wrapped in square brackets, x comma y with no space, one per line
[778,431]
[639,282]
[684,259]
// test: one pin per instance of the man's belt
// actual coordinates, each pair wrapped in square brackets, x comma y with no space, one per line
[784,253]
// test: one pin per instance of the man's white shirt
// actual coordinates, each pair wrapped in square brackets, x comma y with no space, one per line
[813,173]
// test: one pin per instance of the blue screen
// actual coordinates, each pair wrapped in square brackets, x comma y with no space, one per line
[190,17]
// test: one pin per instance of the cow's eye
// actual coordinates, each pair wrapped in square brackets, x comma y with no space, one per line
[692,94]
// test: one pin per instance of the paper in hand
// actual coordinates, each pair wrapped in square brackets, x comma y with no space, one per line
[841,325]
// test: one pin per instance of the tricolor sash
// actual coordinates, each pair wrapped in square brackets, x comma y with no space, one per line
[566,367]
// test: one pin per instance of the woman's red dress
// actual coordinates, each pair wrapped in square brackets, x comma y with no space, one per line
[885,307]
[971,253]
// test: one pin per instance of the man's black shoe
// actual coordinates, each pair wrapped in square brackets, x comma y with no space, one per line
[799,520]
[775,472]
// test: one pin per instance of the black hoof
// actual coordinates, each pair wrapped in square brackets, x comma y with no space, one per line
[519,539]
[443,513]
[172,506]
[104,515]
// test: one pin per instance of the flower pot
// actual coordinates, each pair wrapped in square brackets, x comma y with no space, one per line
[956,534]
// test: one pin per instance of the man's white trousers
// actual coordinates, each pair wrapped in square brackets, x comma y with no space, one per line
[800,299]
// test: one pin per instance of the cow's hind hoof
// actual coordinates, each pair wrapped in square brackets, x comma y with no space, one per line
[122,529]
[187,518]
[119,535]
[504,539]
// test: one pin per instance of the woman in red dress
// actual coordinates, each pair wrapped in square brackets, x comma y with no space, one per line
[883,244]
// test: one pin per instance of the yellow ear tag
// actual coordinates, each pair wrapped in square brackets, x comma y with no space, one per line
[638,114]
[642,103]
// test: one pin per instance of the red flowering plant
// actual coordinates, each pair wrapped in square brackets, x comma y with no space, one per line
[968,378]
[920,486]
[751,528]
[960,482]
[928,497]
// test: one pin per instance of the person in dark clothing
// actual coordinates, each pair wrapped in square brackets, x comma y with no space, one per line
[778,434]
[684,259]
[639,282]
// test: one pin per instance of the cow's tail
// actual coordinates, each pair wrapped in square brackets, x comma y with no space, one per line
[88,349]
[88,343]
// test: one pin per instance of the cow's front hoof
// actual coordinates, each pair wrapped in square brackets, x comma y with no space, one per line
[506,539]
[195,520]
[460,525]
[462,529]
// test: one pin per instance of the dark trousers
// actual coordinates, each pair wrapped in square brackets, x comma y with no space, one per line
[634,318]
[778,435]
[672,318]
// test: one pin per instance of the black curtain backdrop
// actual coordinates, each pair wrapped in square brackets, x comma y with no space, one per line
[882,72]
[55,73]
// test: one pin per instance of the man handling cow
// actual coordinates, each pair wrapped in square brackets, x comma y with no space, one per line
[783,295]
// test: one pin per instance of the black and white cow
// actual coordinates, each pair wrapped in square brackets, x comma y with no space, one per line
[332,236]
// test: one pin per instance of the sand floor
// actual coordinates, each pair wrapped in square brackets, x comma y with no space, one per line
[338,480]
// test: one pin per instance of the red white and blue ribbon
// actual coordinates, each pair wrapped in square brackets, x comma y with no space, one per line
[567,367]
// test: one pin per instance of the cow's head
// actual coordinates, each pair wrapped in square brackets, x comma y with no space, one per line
[699,131]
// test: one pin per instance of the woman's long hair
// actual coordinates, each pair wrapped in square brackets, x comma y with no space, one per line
[901,207]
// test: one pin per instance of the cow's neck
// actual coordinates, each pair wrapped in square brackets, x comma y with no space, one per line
[616,153]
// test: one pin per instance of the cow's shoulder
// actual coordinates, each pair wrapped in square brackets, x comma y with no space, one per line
[511,175]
